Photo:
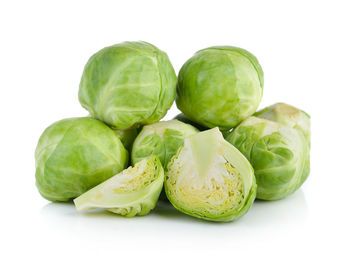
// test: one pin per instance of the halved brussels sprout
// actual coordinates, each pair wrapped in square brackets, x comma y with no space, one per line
[293,117]
[220,86]
[210,179]
[278,154]
[162,139]
[128,84]
[134,191]
[73,155]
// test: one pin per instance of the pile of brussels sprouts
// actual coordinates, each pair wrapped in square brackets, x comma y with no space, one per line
[213,159]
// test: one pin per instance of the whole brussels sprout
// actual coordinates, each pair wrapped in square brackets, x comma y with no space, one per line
[162,139]
[278,153]
[293,117]
[220,86]
[73,155]
[210,179]
[128,84]
[134,191]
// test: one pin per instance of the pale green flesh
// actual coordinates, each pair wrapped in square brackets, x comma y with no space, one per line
[203,144]
[134,191]
[203,181]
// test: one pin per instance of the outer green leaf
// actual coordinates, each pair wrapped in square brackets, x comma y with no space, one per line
[278,154]
[293,117]
[162,139]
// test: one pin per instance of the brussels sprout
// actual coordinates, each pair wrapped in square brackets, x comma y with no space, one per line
[134,191]
[287,115]
[292,117]
[278,154]
[210,179]
[162,139]
[128,84]
[220,86]
[73,155]
[127,136]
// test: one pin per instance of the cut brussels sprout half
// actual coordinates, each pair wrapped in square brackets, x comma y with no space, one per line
[128,84]
[210,179]
[73,155]
[220,86]
[162,139]
[134,191]
[278,154]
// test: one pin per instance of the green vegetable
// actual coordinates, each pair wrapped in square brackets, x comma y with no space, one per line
[292,117]
[213,159]
[73,155]
[162,139]
[278,153]
[287,115]
[128,84]
[134,191]
[220,86]
[210,179]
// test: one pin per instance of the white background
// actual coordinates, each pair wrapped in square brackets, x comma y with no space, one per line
[304,49]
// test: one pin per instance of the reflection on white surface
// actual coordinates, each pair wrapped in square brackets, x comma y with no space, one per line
[167,223]
[290,210]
